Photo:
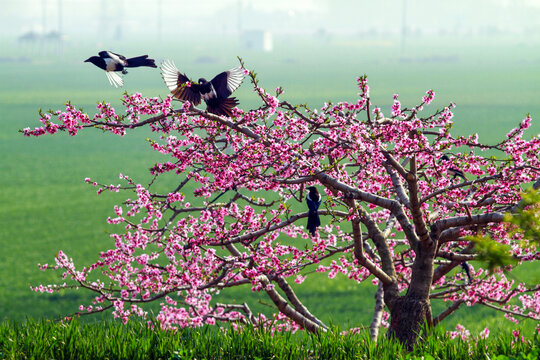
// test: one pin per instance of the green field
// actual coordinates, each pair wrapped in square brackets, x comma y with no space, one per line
[46,206]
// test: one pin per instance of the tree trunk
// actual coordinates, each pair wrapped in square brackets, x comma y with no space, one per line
[408,316]
[409,313]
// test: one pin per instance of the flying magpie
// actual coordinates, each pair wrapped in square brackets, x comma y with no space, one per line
[452,171]
[313,200]
[215,92]
[111,62]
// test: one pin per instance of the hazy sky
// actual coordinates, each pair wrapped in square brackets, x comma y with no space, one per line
[93,19]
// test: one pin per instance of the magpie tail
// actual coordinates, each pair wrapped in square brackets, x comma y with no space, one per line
[223,107]
[467,270]
[313,222]
[140,61]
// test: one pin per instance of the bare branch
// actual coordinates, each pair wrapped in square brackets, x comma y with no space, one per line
[289,292]
[359,254]
[442,270]
[398,186]
[456,257]
[415,205]
[378,312]
[537,318]
[448,311]
[286,309]
[483,219]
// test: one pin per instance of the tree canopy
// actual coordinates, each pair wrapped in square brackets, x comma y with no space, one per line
[393,210]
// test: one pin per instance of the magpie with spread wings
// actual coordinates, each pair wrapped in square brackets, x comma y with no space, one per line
[111,62]
[215,92]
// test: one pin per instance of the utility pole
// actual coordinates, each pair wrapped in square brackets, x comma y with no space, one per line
[403,27]
[60,40]
[59,16]
[159,20]
[43,17]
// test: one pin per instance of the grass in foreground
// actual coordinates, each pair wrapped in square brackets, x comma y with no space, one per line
[112,340]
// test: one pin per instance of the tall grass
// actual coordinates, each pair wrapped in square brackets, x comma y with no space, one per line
[136,340]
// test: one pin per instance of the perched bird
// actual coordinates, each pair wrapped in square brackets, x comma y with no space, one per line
[452,171]
[313,200]
[111,62]
[467,270]
[215,92]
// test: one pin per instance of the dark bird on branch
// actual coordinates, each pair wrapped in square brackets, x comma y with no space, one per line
[467,270]
[452,171]
[313,200]
[111,62]
[215,92]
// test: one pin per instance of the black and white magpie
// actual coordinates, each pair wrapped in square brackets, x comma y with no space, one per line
[467,270]
[111,62]
[452,171]
[313,200]
[215,92]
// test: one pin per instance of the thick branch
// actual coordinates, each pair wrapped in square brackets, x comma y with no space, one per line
[252,236]
[392,161]
[483,219]
[224,121]
[416,210]
[392,205]
[398,185]
[364,261]
[456,257]
[353,193]
[442,270]
[289,292]
[378,312]
[286,309]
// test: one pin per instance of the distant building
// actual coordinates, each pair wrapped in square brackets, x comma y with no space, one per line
[257,40]
[39,42]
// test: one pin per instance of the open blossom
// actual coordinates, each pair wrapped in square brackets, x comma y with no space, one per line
[460,332]
[396,107]
[484,334]
[428,98]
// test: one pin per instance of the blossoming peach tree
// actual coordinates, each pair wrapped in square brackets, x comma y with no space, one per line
[394,211]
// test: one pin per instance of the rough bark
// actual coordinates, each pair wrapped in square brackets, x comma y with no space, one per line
[408,315]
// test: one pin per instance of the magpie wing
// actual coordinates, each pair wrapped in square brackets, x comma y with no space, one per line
[114,79]
[114,56]
[228,81]
[177,83]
